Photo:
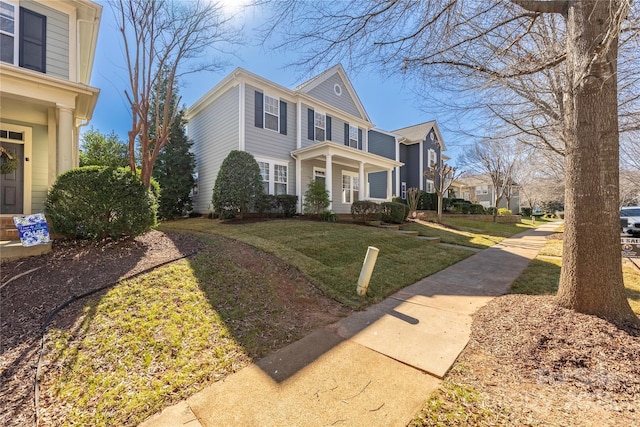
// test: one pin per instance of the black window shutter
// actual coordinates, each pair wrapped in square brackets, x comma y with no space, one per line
[283,117]
[311,129]
[359,139]
[259,109]
[328,128]
[32,43]
[346,134]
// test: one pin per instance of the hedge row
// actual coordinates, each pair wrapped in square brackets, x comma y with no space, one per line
[366,210]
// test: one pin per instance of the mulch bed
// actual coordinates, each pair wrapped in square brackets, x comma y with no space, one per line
[546,365]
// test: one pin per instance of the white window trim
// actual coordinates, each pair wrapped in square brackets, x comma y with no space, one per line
[352,127]
[432,157]
[272,176]
[264,112]
[351,176]
[431,186]
[317,169]
[315,134]
[482,190]
[16,29]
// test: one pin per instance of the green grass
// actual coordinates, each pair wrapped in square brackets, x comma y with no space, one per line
[464,232]
[330,255]
[153,340]
[146,342]
[457,405]
[542,275]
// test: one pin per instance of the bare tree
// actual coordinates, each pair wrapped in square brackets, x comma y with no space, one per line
[458,40]
[497,160]
[160,39]
[442,175]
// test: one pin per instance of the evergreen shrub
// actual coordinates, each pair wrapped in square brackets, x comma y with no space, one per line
[394,212]
[96,202]
[365,210]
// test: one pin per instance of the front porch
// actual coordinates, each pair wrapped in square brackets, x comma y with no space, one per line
[10,245]
[345,171]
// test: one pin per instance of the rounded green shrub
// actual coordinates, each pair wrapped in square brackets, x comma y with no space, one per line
[394,213]
[95,202]
[365,210]
[238,186]
[476,209]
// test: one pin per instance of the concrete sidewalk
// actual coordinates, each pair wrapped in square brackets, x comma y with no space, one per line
[375,367]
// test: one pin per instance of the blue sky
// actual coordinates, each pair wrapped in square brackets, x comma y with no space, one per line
[391,104]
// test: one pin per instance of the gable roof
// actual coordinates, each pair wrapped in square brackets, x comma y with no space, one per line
[240,74]
[417,133]
[316,81]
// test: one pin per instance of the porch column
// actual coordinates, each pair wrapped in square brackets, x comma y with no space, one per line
[65,144]
[299,184]
[389,183]
[362,191]
[329,179]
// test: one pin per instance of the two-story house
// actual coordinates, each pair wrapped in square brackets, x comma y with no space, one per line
[318,130]
[479,189]
[46,57]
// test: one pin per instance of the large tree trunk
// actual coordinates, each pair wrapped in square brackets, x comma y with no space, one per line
[591,277]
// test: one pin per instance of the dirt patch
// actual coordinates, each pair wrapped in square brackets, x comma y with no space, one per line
[541,364]
[74,268]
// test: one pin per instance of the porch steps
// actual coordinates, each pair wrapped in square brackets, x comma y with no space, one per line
[10,245]
[13,249]
[8,230]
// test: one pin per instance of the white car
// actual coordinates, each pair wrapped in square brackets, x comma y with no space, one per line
[630,220]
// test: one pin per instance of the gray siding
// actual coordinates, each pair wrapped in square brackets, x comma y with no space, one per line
[40,167]
[410,172]
[382,144]
[325,93]
[215,132]
[378,185]
[266,142]
[337,128]
[57,50]
[305,127]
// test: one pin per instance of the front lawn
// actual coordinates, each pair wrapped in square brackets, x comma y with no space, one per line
[158,338]
[331,254]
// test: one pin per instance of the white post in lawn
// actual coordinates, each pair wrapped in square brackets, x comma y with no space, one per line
[367,269]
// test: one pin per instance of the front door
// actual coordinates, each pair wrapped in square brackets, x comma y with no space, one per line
[12,183]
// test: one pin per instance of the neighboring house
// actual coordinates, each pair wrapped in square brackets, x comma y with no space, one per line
[479,189]
[319,130]
[416,147]
[46,52]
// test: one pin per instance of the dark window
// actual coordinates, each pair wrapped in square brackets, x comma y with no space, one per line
[33,30]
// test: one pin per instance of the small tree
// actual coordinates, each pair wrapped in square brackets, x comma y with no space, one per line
[316,198]
[174,172]
[442,175]
[413,195]
[238,185]
[98,149]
